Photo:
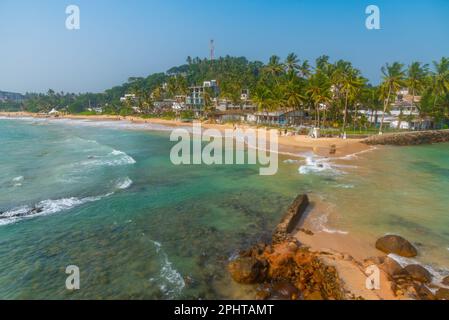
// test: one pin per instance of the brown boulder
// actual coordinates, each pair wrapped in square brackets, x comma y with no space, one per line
[442,294]
[391,267]
[424,293]
[445,281]
[397,245]
[247,270]
[419,273]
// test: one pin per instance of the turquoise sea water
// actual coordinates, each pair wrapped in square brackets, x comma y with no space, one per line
[106,198]
[114,205]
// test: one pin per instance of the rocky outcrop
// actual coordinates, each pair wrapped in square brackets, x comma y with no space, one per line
[293,272]
[391,267]
[248,270]
[285,269]
[419,273]
[409,138]
[283,290]
[397,245]
[445,281]
[290,219]
[442,294]
[412,281]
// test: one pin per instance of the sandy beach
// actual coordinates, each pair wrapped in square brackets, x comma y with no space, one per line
[287,144]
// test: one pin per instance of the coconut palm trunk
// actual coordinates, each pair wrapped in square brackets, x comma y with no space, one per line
[399,119]
[386,103]
[346,112]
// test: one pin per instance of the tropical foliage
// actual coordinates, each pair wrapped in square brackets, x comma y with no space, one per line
[330,93]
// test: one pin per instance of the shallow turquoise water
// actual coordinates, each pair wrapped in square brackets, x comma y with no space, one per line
[166,235]
[139,227]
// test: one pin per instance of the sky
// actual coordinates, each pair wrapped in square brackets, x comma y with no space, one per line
[119,39]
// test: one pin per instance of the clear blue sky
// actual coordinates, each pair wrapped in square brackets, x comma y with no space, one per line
[119,39]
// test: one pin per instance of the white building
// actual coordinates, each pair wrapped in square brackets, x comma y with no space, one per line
[128,97]
[404,113]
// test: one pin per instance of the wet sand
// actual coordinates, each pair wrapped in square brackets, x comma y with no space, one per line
[349,254]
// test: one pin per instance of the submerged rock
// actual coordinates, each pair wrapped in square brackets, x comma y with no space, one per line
[419,273]
[397,245]
[283,290]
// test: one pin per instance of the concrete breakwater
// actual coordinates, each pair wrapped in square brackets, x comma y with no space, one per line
[291,219]
[409,138]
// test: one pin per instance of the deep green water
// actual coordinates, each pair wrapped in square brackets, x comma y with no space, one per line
[139,227]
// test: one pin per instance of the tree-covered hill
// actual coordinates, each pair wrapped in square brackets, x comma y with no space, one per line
[331,91]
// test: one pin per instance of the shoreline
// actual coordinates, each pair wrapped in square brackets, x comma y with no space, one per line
[340,245]
[288,145]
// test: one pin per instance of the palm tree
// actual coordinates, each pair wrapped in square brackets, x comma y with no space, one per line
[440,79]
[373,100]
[346,81]
[393,80]
[305,69]
[274,66]
[291,63]
[263,99]
[322,63]
[319,93]
[291,95]
[416,80]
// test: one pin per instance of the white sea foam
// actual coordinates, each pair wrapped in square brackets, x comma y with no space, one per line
[45,207]
[290,161]
[355,155]
[320,223]
[317,165]
[170,281]
[17,181]
[344,186]
[124,183]
[437,274]
[114,158]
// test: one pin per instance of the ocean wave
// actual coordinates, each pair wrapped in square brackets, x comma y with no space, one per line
[170,280]
[320,224]
[17,181]
[318,165]
[123,183]
[114,158]
[437,274]
[45,207]
[355,155]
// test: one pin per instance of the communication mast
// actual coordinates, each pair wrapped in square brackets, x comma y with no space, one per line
[212,49]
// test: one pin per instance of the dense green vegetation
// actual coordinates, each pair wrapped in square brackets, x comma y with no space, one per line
[333,92]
